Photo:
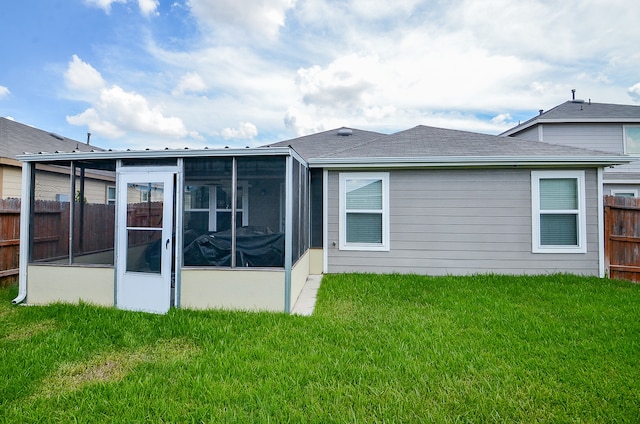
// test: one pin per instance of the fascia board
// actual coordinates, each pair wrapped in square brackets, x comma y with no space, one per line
[466,161]
[151,154]
[540,121]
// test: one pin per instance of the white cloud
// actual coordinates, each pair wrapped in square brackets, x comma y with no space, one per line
[383,9]
[191,82]
[147,7]
[83,78]
[246,131]
[259,19]
[103,4]
[634,92]
[115,112]
[502,119]
[4,91]
[118,111]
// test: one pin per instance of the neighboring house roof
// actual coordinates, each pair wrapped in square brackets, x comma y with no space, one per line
[578,111]
[17,138]
[430,146]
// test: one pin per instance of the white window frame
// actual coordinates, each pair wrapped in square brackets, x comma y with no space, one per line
[111,200]
[213,210]
[618,192]
[624,141]
[536,176]
[344,245]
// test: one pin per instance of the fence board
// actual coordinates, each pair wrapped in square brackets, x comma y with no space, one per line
[9,240]
[622,237]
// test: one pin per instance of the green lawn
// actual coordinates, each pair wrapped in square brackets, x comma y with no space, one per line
[408,349]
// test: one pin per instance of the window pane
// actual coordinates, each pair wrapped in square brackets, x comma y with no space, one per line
[558,230]
[364,228]
[364,193]
[144,211]
[50,219]
[197,221]
[144,250]
[260,241]
[558,194]
[633,139]
[94,214]
[196,197]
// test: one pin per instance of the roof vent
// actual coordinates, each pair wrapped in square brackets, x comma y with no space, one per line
[345,132]
[573,97]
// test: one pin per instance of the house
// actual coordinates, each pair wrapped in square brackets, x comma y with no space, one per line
[17,138]
[244,228]
[599,126]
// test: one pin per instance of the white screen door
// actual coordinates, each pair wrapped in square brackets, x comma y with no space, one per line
[145,226]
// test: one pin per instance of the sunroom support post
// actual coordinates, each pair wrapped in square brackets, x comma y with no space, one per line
[81,206]
[72,207]
[288,233]
[234,199]
[179,226]
[26,226]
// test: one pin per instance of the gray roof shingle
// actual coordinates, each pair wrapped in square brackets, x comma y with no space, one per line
[327,142]
[17,138]
[424,142]
[578,111]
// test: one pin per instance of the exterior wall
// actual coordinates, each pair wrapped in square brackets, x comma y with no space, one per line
[232,289]
[316,259]
[10,182]
[48,284]
[597,136]
[530,134]
[299,275]
[49,184]
[462,222]
[609,188]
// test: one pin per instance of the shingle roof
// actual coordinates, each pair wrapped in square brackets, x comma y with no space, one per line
[578,111]
[424,141]
[17,138]
[328,142]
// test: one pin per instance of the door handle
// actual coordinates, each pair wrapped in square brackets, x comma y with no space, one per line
[166,245]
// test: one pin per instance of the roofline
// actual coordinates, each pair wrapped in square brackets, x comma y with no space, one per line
[466,161]
[147,154]
[527,125]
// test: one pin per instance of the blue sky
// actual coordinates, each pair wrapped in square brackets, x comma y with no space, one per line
[195,73]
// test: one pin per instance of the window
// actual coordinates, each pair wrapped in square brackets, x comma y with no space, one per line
[111,195]
[559,224]
[209,207]
[364,211]
[624,193]
[632,139]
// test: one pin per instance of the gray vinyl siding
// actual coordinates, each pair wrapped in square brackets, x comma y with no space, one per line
[604,137]
[461,222]
[594,136]
[530,134]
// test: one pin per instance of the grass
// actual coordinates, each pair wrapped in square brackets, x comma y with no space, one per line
[556,348]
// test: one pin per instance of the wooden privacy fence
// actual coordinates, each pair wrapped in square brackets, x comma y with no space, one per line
[622,237]
[94,232]
[9,240]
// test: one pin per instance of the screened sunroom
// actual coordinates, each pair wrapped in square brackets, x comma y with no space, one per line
[150,230]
